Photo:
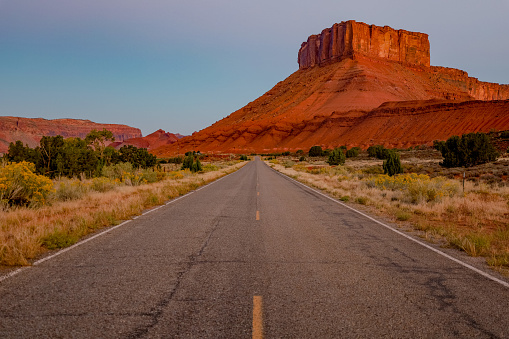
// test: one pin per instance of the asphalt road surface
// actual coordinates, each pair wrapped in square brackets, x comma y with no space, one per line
[252,255]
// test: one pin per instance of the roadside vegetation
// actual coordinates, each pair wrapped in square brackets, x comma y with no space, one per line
[461,207]
[45,205]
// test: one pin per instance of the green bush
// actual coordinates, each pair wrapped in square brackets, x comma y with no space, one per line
[190,164]
[138,157]
[175,160]
[353,152]
[337,157]
[378,151]
[468,150]
[392,165]
[315,151]
[243,157]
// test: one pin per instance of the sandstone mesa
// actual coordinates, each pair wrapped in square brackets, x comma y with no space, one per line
[30,131]
[358,85]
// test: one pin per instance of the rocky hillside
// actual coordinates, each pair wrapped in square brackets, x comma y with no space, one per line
[349,76]
[30,131]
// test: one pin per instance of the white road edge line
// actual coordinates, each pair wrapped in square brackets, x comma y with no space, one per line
[40,261]
[464,264]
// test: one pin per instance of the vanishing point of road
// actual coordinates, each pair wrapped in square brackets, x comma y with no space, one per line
[253,255]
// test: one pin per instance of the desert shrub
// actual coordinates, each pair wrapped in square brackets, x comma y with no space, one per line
[361,200]
[403,216]
[304,158]
[102,184]
[209,168]
[337,157]
[243,157]
[353,152]
[69,189]
[416,187]
[124,172]
[190,164]
[117,171]
[299,152]
[378,151]
[373,170]
[138,157]
[175,160]
[19,185]
[392,165]
[468,150]
[196,167]
[288,163]
[287,153]
[148,175]
[315,151]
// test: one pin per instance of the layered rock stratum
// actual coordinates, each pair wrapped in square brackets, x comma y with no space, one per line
[30,131]
[358,85]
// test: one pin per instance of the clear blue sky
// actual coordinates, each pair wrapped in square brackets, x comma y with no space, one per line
[180,65]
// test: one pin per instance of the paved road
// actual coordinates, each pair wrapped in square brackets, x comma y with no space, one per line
[205,267]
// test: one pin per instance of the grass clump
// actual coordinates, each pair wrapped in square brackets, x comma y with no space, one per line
[361,200]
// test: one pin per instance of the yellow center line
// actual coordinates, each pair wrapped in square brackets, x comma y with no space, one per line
[257,215]
[258,193]
[257,317]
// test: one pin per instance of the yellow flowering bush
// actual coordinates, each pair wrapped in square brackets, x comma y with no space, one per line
[175,175]
[19,185]
[417,187]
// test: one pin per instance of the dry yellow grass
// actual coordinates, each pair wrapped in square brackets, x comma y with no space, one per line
[26,233]
[476,221]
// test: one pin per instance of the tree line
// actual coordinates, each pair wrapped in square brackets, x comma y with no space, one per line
[56,156]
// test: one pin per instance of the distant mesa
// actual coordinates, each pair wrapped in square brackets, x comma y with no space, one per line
[157,139]
[358,85]
[31,130]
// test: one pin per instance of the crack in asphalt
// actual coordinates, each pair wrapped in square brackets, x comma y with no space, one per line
[157,311]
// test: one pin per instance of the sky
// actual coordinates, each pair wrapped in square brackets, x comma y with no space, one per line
[181,65]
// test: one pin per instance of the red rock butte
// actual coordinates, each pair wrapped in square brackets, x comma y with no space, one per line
[358,85]
[349,38]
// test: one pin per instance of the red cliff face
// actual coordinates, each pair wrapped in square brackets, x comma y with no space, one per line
[478,90]
[350,38]
[30,131]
